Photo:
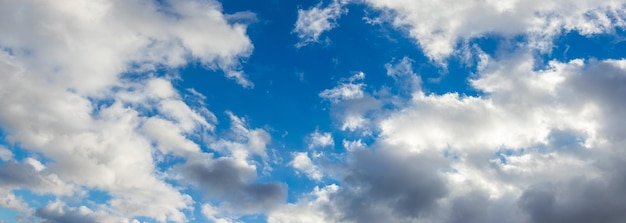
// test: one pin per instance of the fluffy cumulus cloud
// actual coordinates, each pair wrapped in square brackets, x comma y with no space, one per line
[303,163]
[320,139]
[551,154]
[81,89]
[536,146]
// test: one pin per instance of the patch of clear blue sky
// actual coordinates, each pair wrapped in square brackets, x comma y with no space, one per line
[573,45]
[8,214]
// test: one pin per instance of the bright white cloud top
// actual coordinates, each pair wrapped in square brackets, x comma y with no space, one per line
[98,123]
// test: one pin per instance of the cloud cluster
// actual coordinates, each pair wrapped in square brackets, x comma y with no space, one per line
[87,87]
[538,146]
[89,103]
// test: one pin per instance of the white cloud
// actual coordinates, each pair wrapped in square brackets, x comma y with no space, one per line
[353,145]
[505,118]
[346,91]
[536,140]
[211,213]
[402,73]
[96,113]
[356,105]
[313,22]
[439,26]
[309,209]
[471,127]
[353,122]
[35,164]
[241,78]
[320,139]
[242,141]
[10,201]
[169,137]
[303,163]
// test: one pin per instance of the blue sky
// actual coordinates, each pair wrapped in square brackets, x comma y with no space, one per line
[312,111]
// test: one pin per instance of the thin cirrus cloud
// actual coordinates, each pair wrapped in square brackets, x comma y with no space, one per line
[93,103]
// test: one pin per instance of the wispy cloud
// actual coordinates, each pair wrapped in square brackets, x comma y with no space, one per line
[313,22]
